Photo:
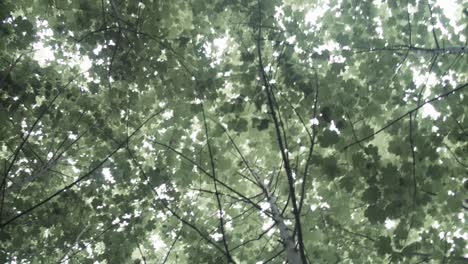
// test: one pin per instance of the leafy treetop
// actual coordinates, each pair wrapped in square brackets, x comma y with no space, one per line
[232,131]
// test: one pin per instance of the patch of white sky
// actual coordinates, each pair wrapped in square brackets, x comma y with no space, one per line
[106,172]
[44,54]
[157,243]
[216,48]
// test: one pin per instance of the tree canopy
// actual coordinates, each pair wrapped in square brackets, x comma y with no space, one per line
[233,131]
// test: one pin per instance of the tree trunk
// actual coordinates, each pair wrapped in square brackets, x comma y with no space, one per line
[286,235]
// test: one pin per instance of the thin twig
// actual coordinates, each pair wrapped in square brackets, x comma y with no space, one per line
[218,200]
[174,213]
[433,25]
[172,245]
[312,144]
[80,179]
[394,121]
[413,159]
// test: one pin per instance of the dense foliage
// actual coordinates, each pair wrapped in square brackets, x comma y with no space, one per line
[214,131]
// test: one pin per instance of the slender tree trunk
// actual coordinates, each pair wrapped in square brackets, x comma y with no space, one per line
[286,235]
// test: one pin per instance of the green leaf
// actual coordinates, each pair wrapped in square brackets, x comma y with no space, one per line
[384,245]
[330,166]
[371,194]
[263,124]
[239,125]
[375,214]
[328,138]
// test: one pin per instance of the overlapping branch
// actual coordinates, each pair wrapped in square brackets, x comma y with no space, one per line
[394,121]
[174,213]
[81,178]
[280,140]
[218,200]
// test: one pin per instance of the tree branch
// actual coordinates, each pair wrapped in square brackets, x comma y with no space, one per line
[312,144]
[172,245]
[80,179]
[284,155]
[207,173]
[218,200]
[175,214]
[394,121]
